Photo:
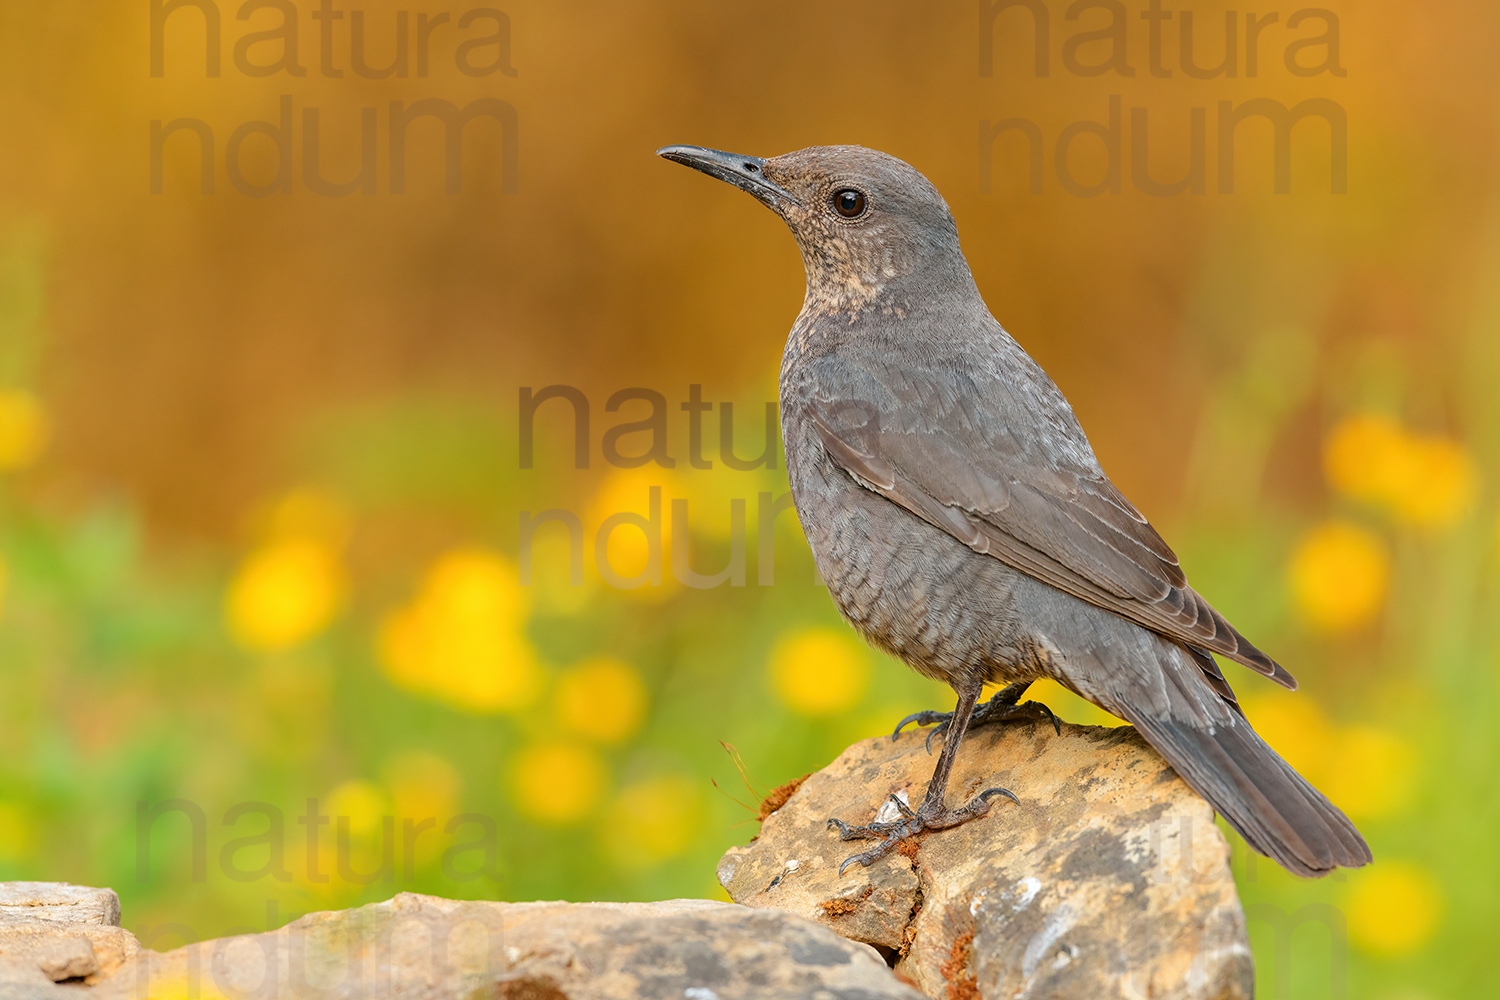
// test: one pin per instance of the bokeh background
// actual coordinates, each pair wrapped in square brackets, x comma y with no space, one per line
[261,483]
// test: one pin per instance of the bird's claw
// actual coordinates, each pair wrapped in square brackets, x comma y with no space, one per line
[997,709]
[875,829]
[1038,710]
[990,793]
[874,854]
[923,718]
[926,718]
[912,823]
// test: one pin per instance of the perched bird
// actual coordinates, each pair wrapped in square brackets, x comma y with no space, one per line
[962,523]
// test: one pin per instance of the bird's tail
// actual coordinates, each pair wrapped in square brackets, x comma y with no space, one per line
[1269,804]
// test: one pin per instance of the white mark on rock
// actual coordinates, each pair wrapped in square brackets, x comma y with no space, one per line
[513,954]
[786,870]
[699,993]
[1030,886]
[889,812]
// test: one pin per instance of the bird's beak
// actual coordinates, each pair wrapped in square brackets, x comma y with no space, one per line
[744,172]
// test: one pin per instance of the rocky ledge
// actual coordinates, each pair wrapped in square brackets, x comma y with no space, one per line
[53,932]
[426,948]
[1109,879]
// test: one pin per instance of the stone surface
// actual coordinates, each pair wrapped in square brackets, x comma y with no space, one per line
[53,932]
[60,901]
[418,947]
[67,958]
[1109,879]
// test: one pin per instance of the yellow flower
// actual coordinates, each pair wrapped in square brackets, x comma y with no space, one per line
[461,640]
[1371,773]
[190,985]
[602,700]
[283,594]
[1441,486]
[1338,576]
[557,783]
[362,803]
[1429,481]
[1365,456]
[24,429]
[1394,908]
[819,671]
[634,552]
[653,820]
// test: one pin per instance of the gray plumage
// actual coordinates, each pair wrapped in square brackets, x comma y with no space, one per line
[959,515]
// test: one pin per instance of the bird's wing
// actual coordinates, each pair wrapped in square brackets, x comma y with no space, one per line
[1000,463]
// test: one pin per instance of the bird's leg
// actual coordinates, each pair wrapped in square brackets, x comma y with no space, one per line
[1004,705]
[932,814]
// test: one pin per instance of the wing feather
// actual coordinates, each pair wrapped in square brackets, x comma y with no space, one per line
[1070,529]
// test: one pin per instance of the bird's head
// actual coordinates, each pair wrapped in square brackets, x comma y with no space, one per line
[864,221]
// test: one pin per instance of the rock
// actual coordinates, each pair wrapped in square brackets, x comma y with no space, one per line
[53,932]
[67,958]
[1109,879]
[60,901]
[420,947]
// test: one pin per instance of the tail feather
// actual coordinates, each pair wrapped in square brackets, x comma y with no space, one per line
[1272,806]
[1180,701]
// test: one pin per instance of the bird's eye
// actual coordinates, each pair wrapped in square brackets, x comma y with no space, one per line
[849,203]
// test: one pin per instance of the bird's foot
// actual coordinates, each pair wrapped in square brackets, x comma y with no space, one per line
[1004,706]
[892,833]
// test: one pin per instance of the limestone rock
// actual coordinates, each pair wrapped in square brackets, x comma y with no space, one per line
[67,958]
[59,901]
[419,947]
[1109,879]
[53,932]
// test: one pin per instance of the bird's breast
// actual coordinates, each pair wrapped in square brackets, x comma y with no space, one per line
[908,587]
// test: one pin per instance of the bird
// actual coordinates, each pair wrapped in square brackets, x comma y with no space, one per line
[964,525]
